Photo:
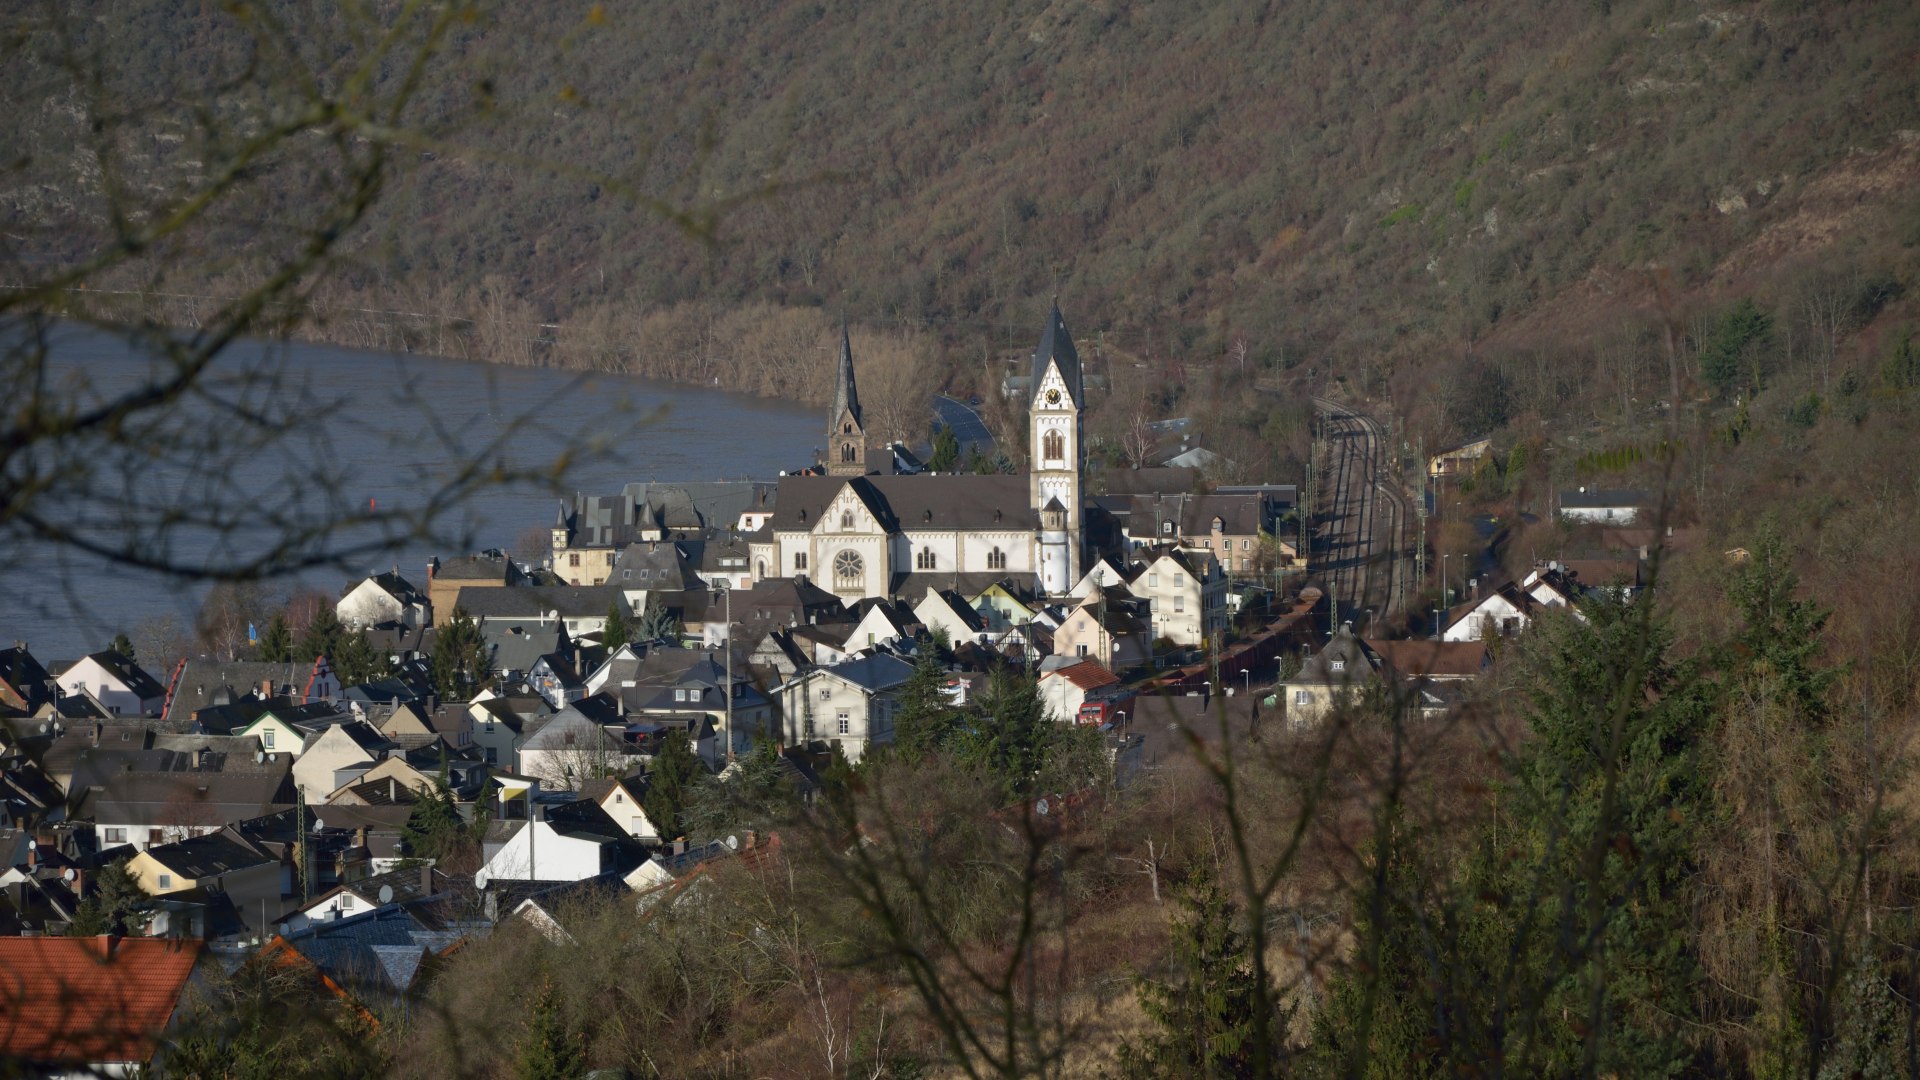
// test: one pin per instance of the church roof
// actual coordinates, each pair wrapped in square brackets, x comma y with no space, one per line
[908,503]
[846,396]
[1056,347]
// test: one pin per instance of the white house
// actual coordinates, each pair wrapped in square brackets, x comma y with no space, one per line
[943,611]
[122,687]
[851,704]
[1607,507]
[569,843]
[337,754]
[1065,689]
[1186,595]
[571,749]
[384,598]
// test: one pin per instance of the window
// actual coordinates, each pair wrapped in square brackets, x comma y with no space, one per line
[492,756]
[1053,446]
[1080,650]
[844,722]
[846,519]
[1338,666]
[1299,697]
[848,566]
[266,738]
[1153,581]
[573,559]
[619,798]
[799,560]
[847,453]
[1179,580]
[924,560]
[1179,604]
[996,559]
[609,558]
[1166,528]
[826,693]
[1245,545]
[1219,525]
[116,836]
[156,836]
[166,881]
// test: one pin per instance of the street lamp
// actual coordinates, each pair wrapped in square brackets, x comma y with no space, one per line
[1246,681]
[1443,578]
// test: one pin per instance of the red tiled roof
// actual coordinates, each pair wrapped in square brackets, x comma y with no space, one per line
[1087,675]
[75,1001]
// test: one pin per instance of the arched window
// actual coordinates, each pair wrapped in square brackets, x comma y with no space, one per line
[924,560]
[1053,447]
[846,452]
[996,559]
[848,566]
[846,429]
[760,569]
[846,519]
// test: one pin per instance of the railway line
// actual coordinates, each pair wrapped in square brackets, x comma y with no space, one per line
[1359,546]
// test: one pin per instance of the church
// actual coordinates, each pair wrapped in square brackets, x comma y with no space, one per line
[857,532]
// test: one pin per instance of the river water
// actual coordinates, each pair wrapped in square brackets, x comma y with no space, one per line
[382,431]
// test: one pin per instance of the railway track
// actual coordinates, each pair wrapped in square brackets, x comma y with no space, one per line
[1360,547]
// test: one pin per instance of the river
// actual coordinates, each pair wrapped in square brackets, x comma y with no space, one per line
[384,431]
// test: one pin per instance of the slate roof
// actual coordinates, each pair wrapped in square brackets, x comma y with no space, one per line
[911,588]
[380,952]
[1193,515]
[130,674]
[1600,499]
[154,799]
[533,601]
[874,672]
[1056,347]
[619,520]
[208,856]
[517,644]
[1143,481]
[21,671]
[1345,648]
[1425,658]
[654,565]
[906,503]
[395,586]
[75,1001]
[200,683]
[476,568]
[846,395]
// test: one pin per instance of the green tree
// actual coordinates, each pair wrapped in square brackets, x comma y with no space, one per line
[673,779]
[322,637]
[276,642]
[616,634]
[946,450]
[1204,1020]
[1010,737]
[123,645]
[459,661]
[656,622]
[434,826]
[924,719]
[756,794]
[550,1049]
[117,905]
[1729,359]
[355,660]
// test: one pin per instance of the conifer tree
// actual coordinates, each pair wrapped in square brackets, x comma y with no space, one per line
[924,719]
[616,634]
[124,646]
[671,785]
[1205,1019]
[322,637]
[276,644]
[549,1050]
[459,658]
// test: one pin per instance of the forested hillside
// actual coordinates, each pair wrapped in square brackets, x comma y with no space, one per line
[1375,183]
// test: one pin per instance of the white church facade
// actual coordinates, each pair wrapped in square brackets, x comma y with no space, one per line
[859,533]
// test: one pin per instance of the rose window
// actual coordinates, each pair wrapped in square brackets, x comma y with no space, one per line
[847,565]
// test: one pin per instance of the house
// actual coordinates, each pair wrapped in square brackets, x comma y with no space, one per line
[569,842]
[117,683]
[879,622]
[1186,596]
[154,797]
[1504,611]
[283,727]
[1459,460]
[24,685]
[622,798]
[1331,679]
[1431,675]
[573,747]
[1109,627]
[381,957]
[1064,689]
[686,683]
[348,899]
[500,723]
[850,705]
[945,612]
[1608,507]
[197,684]
[582,609]
[1231,528]
[590,534]
[467,575]
[217,862]
[90,1006]
[513,646]
[337,753]
[384,598]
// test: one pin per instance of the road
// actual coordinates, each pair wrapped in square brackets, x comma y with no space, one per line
[1360,548]
[965,422]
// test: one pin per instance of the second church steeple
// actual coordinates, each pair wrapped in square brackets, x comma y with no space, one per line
[846,434]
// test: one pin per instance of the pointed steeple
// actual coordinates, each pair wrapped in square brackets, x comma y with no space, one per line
[846,431]
[1056,349]
[846,396]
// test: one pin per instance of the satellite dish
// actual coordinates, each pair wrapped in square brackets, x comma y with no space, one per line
[733,843]
[298,921]
[69,874]
[1041,807]
[259,756]
[319,824]
[481,878]
[386,894]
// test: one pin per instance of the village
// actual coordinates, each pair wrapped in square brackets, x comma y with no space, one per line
[295,811]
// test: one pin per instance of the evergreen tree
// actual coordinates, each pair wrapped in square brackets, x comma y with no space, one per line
[1727,357]
[1205,1021]
[656,623]
[459,658]
[322,637]
[124,646]
[434,826]
[1010,739]
[276,643]
[550,1050]
[924,720]
[616,633]
[356,661]
[946,450]
[756,795]
[672,784]
[116,905]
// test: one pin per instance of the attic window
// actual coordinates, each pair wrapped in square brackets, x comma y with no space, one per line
[1166,528]
[846,519]
[1337,666]
[1219,525]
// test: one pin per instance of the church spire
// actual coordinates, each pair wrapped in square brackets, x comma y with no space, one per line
[846,431]
[846,396]
[1056,350]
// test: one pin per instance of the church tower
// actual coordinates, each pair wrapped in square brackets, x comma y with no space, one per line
[846,435]
[1056,449]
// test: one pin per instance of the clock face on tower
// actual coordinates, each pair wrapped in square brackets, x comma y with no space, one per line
[1053,397]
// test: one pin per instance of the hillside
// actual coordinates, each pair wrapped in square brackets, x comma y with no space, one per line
[1375,183]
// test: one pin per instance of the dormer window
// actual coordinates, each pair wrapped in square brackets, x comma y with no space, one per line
[1166,528]
[1337,666]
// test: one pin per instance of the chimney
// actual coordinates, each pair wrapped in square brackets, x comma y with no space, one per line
[266,689]
[360,837]
[752,839]
[98,728]
[393,789]
[426,880]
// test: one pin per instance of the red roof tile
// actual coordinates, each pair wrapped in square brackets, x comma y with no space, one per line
[1087,675]
[89,1000]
